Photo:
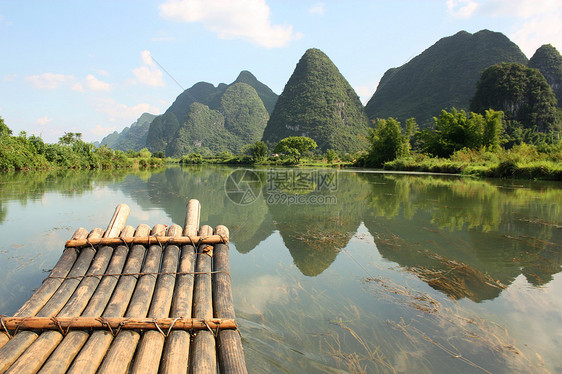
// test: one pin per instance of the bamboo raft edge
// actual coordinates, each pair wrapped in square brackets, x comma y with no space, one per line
[148,240]
[124,323]
[120,301]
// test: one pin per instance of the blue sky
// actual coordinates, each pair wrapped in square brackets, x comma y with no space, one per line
[95,66]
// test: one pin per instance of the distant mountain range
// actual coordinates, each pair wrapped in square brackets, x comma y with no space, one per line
[318,102]
[133,137]
[205,118]
[441,77]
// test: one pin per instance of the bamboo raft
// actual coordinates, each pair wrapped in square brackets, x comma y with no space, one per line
[123,300]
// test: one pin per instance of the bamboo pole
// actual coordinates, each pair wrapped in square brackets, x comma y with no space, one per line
[73,295]
[161,240]
[37,353]
[229,343]
[61,359]
[203,351]
[175,359]
[13,349]
[120,354]
[52,283]
[93,352]
[118,221]
[123,323]
[149,351]
[64,292]
[4,338]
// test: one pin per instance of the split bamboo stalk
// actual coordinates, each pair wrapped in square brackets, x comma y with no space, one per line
[93,352]
[149,351]
[37,353]
[118,221]
[61,296]
[203,351]
[161,240]
[13,349]
[71,297]
[229,343]
[4,338]
[123,323]
[61,359]
[34,357]
[52,283]
[120,354]
[175,359]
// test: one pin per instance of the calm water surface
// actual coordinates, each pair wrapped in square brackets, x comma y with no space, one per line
[335,271]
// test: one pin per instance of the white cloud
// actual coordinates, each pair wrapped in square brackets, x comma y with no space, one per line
[49,81]
[317,9]
[78,87]
[10,77]
[52,81]
[148,73]
[536,22]
[94,84]
[103,131]
[533,33]
[241,19]
[519,8]
[365,92]
[43,121]
[461,8]
[121,111]
[103,73]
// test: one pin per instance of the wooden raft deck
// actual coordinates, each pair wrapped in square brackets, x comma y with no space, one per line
[123,300]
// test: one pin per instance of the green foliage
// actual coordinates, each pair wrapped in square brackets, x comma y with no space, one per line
[522,93]
[70,138]
[442,76]
[548,61]
[71,152]
[238,118]
[521,161]
[387,142]
[4,129]
[455,130]
[331,155]
[259,151]
[295,146]
[317,102]
[192,158]
[130,138]
[207,119]
[145,153]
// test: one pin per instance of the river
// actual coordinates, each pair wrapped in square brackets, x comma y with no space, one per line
[335,271]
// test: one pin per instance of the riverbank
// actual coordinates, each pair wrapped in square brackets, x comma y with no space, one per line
[520,162]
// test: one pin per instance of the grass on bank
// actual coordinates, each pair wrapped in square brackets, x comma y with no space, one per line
[522,161]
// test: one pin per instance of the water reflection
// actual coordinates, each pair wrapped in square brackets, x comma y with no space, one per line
[467,238]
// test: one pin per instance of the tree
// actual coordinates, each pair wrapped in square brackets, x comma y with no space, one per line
[70,138]
[331,155]
[522,93]
[456,130]
[388,142]
[4,129]
[259,151]
[295,146]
